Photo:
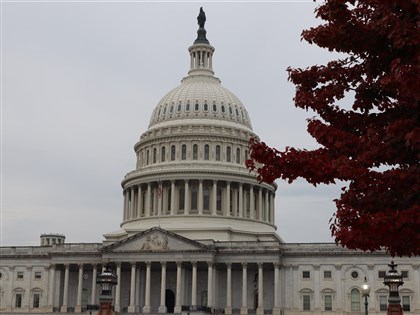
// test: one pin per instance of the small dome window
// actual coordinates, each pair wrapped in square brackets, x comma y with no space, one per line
[159,112]
[223,108]
[230,110]
[214,107]
[206,107]
[179,107]
[172,109]
[196,106]
[237,113]
[187,108]
[164,109]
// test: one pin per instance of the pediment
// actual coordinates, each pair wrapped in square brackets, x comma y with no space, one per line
[155,240]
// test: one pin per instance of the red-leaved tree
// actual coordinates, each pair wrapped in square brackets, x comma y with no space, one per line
[373,143]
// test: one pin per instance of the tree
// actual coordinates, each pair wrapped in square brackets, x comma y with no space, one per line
[372,144]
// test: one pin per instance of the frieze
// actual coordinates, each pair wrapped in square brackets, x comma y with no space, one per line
[155,242]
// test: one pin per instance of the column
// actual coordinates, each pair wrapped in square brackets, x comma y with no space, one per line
[118,288]
[186,197]
[228,308]
[200,197]
[194,283]
[338,284]
[272,208]
[148,199]
[146,307]
[78,307]
[66,289]
[94,275]
[177,308]
[51,287]
[132,204]
[260,308]
[235,202]
[260,203]
[317,290]
[210,284]
[241,201]
[132,306]
[162,306]
[276,308]
[172,197]
[227,212]
[267,205]
[139,201]
[214,199]
[251,202]
[244,308]
[125,207]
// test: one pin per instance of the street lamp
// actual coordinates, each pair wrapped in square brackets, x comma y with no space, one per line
[107,280]
[393,280]
[365,293]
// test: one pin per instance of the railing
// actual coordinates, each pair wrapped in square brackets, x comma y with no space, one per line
[196,308]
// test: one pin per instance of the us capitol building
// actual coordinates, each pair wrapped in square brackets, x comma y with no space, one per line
[198,231]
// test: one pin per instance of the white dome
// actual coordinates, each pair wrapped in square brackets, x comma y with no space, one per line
[200,97]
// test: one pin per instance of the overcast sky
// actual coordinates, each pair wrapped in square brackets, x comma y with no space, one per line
[81,79]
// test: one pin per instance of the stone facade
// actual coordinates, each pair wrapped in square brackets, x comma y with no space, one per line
[198,233]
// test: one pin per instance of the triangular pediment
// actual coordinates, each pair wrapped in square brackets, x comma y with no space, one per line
[155,240]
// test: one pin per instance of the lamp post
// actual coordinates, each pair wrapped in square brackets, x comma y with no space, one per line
[365,293]
[393,280]
[107,280]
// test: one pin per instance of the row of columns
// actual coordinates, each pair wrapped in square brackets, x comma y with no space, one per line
[158,198]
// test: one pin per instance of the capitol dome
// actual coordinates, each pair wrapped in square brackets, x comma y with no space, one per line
[190,176]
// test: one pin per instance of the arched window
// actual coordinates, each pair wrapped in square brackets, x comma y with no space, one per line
[181,198]
[246,155]
[172,108]
[184,152]
[214,107]
[194,198]
[187,108]
[173,152]
[197,106]
[217,152]
[164,109]
[206,198]
[147,157]
[179,107]
[206,107]
[355,300]
[228,154]
[238,155]
[154,155]
[206,152]
[195,152]
[223,108]
[162,154]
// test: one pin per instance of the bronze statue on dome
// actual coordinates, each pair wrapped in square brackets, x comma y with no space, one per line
[201,18]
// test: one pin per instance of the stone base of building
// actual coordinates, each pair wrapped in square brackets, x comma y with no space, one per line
[260,311]
[162,309]
[146,309]
[78,309]
[132,309]
[244,310]
[63,309]
[276,311]
[177,309]
[228,310]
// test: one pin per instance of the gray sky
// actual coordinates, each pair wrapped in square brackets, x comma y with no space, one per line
[81,79]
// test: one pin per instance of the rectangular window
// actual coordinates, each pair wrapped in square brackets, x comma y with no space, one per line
[306,274]
[38,274]
[328,302]
[406,303]
[37,298]
[381,274]
[383,299]
[18,300]
[19,275]
[327,274]
[306,302]
[404,274]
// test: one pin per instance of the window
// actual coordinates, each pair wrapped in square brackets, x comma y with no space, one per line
[194,198]
[147,157]
[406,303]
[228,154]
[154,155]
[404,274]
[217,152]
[219,200]
[328,302]
[230,110]
[37,298]
[306,274]
[223,108]
[172,109]
[162,154]
[354,274]
[355,300]
[327,274]
[383,303]
[179,107]
[206,152]
[214,107]
[187,108]
[306,302]
[184,152]
[197,107]
[38,275]
[206,107]
[381,274]
[238,155]
[18,300]
[181,198]
[195,152]
[206,198]
[19,275]
[173,151]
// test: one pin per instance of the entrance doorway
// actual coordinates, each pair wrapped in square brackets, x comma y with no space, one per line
[170,301]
